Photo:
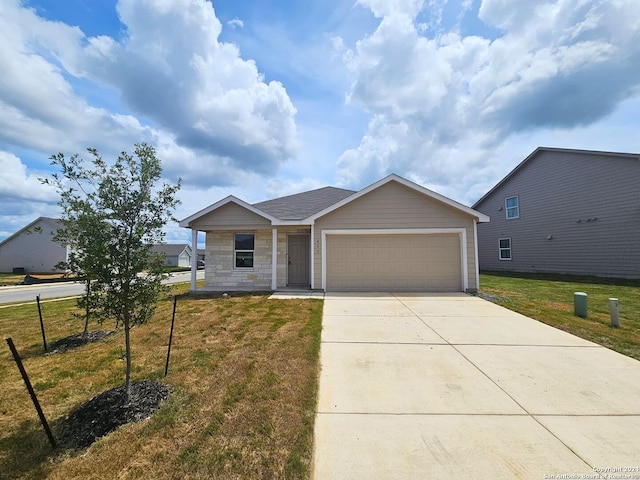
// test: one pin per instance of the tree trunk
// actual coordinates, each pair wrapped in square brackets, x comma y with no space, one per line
[87,312]
[127,346]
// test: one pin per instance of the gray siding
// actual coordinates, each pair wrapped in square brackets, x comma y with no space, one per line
[579,214]
[34,250]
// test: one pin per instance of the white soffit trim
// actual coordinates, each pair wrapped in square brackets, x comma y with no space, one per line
[461,232]
[481,217]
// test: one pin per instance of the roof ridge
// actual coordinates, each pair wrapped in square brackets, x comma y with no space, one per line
[305,193]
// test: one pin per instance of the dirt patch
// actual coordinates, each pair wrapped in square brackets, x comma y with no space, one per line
[492,298]
[78,340]
[109,410]
[38,279]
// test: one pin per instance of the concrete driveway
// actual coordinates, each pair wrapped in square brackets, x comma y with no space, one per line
[427,386]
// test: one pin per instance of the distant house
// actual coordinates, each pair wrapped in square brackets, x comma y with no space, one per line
[32,249]
[565,211]
[175,255]
[393,235]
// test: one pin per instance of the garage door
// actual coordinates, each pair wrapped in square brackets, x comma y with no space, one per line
[419,262]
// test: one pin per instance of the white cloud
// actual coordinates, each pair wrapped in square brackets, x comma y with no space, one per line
[236,23]
[442,106]
[23,197]
[19,184]
[40,109]
[176,85]
[388,8]
[213,101]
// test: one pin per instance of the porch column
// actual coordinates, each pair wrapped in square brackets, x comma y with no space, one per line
[194,258]
[274,259]
[313,256]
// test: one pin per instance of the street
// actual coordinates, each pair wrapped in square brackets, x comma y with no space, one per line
[28,293]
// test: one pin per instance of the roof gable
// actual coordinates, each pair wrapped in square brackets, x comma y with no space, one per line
[53,223]
[412,186]
[225,201]
[170,249]
[538,151]
[306,207]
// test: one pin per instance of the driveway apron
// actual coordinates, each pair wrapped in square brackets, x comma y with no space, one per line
[421,386]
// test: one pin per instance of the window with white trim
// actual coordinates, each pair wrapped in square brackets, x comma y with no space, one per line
[243,249]
[504,248]
[512,207]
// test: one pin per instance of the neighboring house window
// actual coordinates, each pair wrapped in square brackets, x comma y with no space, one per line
[244,249]
[504,248]
[511,205]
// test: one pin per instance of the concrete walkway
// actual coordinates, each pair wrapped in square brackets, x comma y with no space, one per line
[451,386]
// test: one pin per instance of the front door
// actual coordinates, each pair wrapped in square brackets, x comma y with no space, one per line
[298,260]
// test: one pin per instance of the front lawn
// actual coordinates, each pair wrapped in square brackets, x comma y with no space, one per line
[550,300]
[242,381]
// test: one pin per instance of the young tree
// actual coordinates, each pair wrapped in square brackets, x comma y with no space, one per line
[85,234]
[112,215]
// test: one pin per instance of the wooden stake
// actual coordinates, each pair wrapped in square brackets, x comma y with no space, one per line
[23,372]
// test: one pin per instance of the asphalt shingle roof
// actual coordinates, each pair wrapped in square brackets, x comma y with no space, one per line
[169,249]
[303,205]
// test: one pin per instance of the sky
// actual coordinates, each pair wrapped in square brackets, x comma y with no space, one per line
[265,98]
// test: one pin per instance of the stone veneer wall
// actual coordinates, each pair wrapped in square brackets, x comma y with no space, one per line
[220,272]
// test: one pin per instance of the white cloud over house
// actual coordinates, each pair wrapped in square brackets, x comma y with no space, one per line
[443,105]
[260,99]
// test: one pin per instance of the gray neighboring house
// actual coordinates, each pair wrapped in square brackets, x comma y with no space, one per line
[32,249]
[175,254]
[393,235]
[565,211]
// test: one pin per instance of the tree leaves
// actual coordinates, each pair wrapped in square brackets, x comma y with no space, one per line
[112,215]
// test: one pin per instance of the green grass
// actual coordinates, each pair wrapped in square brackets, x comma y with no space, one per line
[549,299]
[243,382]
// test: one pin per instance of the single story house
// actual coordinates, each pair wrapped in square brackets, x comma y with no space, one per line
[565,211]
[175,254]
[32,249]
[393,235]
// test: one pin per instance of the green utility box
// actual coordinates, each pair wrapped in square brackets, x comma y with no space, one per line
[580,304]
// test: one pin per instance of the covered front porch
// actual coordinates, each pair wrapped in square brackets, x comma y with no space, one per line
[256,259]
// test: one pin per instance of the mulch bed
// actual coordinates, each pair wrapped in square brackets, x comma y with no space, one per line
[109,410]
[78,340]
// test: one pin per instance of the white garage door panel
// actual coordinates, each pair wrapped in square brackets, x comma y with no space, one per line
[418,262]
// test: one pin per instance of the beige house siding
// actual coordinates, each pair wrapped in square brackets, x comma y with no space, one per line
[579,214]
[230,216]
[395,206]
